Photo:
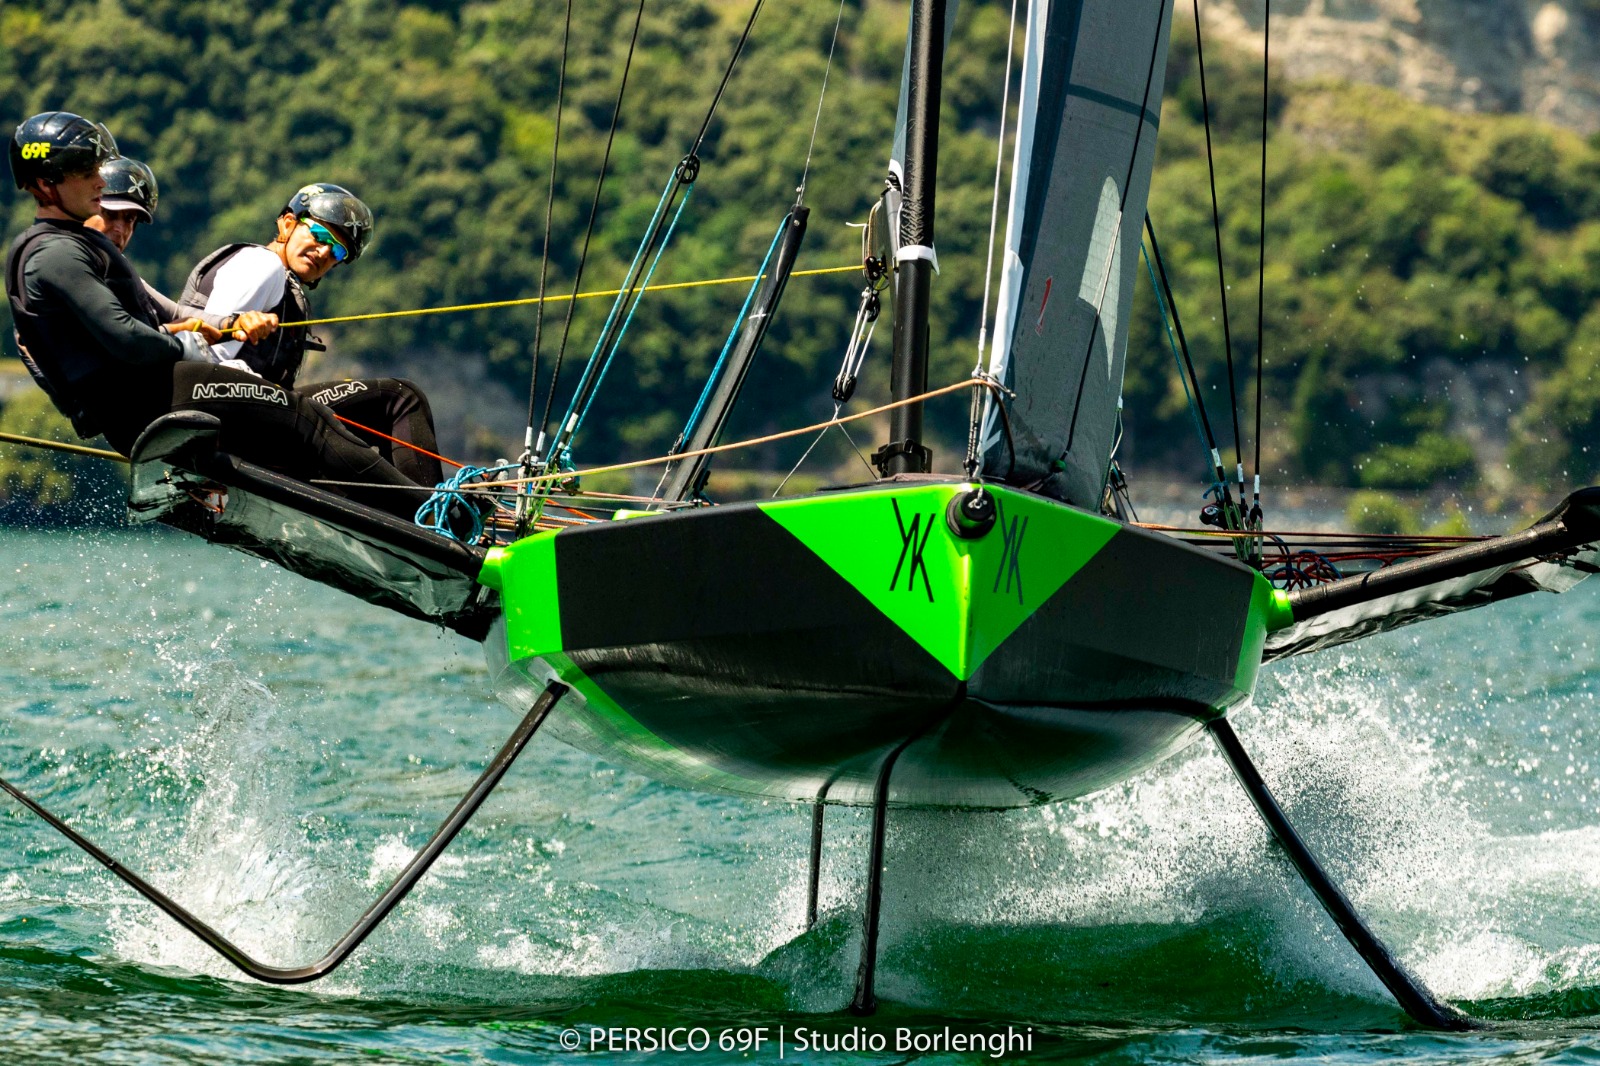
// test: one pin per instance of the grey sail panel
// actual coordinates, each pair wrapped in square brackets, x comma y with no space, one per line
[1090,104]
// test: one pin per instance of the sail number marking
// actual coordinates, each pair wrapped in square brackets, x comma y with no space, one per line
[913,542]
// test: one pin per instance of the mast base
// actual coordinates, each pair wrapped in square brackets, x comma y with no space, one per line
[917,458]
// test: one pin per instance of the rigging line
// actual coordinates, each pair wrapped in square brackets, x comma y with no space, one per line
[841,427]
[975,417]
[63,446]
[630,282]
[379,433]
[528,301]
[726,76]
[654,245]
[1261,268]
[807,453]
[800,193]
[1216,227]
[544,258]
[1116,236]
[859,454]
[733,334]
[594,211]
[1183,341]
[758,441]
[717,449]
[1172,342]
[637,297]
[1420,541]
[994,203]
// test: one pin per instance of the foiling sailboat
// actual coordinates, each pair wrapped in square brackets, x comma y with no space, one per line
[997,637]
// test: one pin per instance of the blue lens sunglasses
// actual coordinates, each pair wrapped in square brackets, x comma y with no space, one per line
[322,235]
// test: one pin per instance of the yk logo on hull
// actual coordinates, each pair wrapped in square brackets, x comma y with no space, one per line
[1010,570]
[913,542]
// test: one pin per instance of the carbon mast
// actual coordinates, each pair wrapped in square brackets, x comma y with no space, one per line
[905,452]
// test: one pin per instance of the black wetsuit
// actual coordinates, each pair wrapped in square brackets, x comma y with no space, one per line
[381,408]
[80,311]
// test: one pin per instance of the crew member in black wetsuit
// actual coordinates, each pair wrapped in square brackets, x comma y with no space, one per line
[322,226]
[96,349]
[130,198]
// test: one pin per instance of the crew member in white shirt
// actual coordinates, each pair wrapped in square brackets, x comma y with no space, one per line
[321,227]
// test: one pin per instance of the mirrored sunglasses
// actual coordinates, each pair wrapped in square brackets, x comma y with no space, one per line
[322,235]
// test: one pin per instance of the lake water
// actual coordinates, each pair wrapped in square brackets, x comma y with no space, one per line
[270,752]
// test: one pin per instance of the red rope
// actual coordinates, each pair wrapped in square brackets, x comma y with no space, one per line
[397,440]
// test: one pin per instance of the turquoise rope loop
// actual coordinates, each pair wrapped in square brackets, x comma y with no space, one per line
[435,513]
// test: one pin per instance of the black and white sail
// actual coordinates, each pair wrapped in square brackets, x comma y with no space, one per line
[1089,106]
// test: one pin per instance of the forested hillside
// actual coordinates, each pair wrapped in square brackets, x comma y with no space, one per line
[1429,283]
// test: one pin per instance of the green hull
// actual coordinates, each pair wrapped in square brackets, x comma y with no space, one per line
[783,649]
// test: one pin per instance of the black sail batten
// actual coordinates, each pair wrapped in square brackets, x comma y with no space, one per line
[684,478]
[1092,83]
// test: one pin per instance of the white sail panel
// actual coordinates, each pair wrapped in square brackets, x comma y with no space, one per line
[1103,264]
[1090,105]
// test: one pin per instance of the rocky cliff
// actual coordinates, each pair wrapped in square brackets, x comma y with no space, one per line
[1539,57]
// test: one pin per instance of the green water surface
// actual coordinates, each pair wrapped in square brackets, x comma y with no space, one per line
[271,752]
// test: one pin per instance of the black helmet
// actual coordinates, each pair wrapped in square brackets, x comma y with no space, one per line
[54,144]
[337,207]
[130,186]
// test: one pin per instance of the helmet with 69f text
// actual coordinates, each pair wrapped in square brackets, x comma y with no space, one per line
[52,145]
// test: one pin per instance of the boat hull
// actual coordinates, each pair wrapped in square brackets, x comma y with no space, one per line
[784,649]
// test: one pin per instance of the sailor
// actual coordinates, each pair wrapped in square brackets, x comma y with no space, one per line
[129,198]
[321,227]
[98,351]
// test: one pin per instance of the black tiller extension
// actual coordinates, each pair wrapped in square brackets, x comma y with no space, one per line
[375,914]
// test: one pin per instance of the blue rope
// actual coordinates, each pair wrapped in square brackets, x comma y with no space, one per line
[435,513]
[722,360]
[1172,342]
[616,305]
[666,239]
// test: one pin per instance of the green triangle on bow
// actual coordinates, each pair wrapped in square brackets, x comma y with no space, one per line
[959,599]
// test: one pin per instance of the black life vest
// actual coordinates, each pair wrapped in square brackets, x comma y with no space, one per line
[58,350]
[278,357]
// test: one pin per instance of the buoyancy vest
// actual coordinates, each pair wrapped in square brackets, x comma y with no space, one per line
[278,357]
[58,350]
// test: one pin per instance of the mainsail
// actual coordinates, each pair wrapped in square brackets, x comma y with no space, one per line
[1089,106]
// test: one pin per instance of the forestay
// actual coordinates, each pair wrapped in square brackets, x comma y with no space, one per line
[1089,107]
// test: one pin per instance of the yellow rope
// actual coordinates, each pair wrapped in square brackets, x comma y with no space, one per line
[526,301]
[100,453]
[61,446]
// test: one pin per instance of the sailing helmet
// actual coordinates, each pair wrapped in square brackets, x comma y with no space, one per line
[51,145]
[336,206]
[130,186]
